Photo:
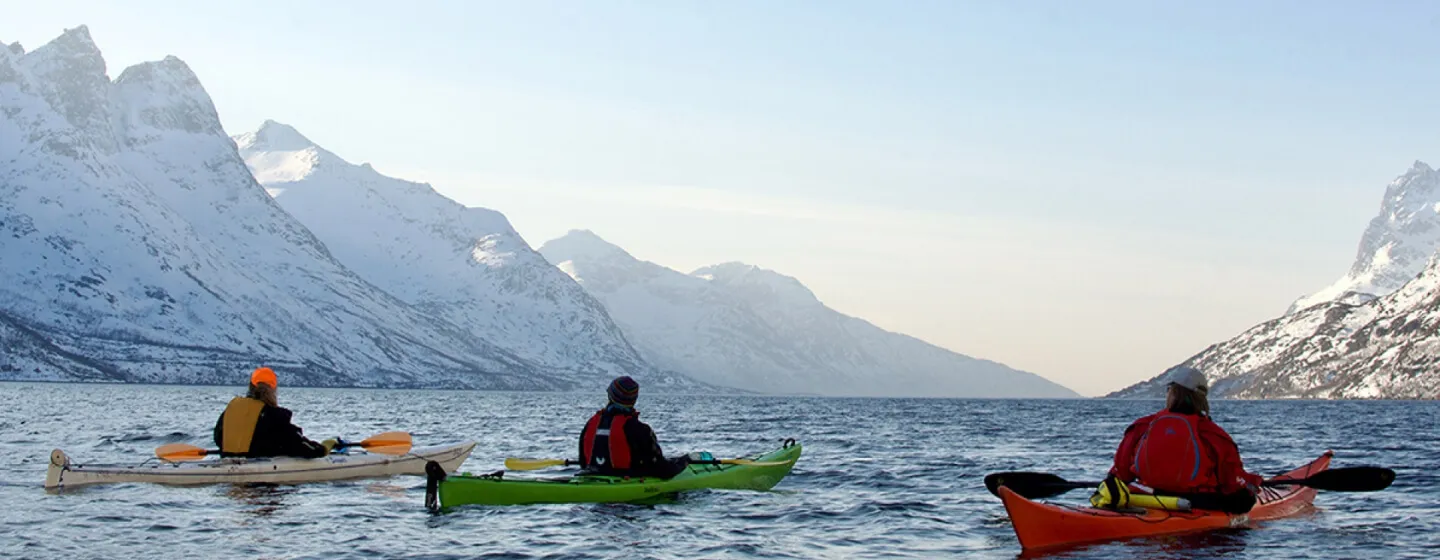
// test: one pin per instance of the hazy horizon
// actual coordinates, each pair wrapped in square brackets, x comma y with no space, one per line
[1088,192]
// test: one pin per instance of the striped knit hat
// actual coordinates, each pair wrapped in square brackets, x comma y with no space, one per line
[623,391]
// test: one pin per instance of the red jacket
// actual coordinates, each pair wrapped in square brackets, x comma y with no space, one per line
[1168,455]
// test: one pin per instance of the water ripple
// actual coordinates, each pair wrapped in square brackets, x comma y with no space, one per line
[880,478]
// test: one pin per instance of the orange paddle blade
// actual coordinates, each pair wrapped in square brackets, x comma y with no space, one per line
[388,443]
[399,449]
[180,452]
[386,439]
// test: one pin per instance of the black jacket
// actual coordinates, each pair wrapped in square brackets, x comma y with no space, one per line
[274,436]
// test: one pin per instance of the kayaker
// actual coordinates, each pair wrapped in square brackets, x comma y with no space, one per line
[1180,451]
[256,426]
[616,442]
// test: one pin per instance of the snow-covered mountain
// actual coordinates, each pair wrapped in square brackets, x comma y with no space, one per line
[738,325]
[1373,334]
[137,246]
[465,265]
[1385,348]
[1396,245]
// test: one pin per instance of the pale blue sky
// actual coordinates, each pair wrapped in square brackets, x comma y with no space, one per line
[1089,190]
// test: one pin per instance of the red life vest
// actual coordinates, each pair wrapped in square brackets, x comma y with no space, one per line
[1171,456]
[603,443]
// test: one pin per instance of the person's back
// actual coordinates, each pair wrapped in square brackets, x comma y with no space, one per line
[1180,451]
[256,426]
[615,441]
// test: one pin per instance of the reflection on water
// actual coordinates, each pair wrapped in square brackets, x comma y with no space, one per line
[1220,543]
[388,490]
[261,499]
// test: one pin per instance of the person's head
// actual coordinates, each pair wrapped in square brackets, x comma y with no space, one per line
[263,386]
[623,391]
[1188,391]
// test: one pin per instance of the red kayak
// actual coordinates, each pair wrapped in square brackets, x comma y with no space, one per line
[1041,525]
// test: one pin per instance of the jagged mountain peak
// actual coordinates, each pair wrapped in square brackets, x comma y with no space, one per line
[1396,244]
[73,50]
[167,95]
[275,136]
[1419,182]
[169,69]
[278,153]
[280,157]
[69,73]
[581,244]
[75,39]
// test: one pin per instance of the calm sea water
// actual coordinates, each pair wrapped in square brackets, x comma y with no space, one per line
[880,478]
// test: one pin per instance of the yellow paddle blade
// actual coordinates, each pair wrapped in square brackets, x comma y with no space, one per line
[180,452]
[515,464]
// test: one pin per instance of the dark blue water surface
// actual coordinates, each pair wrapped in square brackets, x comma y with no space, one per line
[880,478]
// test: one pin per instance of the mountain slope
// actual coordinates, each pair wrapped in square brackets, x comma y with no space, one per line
[465,265]
[1385,348]
[1396,244]
[742,326]
[138,247]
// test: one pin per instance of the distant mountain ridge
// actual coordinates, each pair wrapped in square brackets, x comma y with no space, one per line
[743,326]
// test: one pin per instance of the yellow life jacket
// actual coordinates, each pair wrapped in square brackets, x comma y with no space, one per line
[241,416]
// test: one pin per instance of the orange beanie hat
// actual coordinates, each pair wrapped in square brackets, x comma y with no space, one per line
[264,375]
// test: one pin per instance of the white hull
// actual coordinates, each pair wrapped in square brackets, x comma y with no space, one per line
[280,470]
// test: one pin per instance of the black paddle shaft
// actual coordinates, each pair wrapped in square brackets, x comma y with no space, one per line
[1036,485]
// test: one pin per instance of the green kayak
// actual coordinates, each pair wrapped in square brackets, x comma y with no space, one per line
[495,489]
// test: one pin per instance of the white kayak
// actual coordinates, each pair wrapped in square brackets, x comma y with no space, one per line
[280,470]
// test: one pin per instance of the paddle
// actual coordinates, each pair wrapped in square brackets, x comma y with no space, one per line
[1034,485]
[516,464]
[388,443]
